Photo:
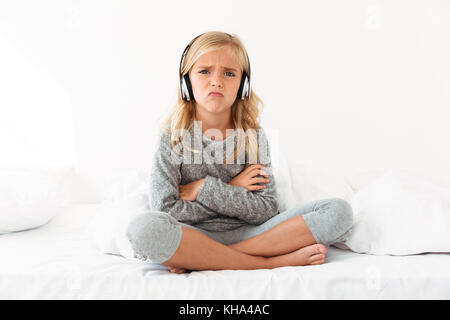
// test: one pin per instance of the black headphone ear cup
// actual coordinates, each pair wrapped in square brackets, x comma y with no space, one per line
[183,88]
[189,92]
[244,87]
[241,87]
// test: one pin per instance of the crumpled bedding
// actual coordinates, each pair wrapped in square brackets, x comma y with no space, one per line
[59,261]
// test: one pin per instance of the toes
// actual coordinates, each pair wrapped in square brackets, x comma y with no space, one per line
[176,270]
[321,248]
[316,257]
[321,261]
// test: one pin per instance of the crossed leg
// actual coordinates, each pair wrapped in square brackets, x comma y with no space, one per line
[196,251]
[288,233]
[282,239]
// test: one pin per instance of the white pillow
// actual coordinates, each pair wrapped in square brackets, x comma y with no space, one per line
[313,183]
[298,184]
[30,197]
[123,184]
[126,196]
[398,214]
[283,183]
[359,180]
[107,228]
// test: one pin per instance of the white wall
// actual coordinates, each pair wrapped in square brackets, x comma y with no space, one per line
[347,85]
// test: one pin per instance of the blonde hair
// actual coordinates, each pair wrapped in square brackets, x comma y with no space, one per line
[244,113]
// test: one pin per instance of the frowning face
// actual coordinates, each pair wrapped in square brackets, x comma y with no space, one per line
[215,71]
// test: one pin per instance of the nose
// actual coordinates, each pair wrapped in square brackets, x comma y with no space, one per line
[216,81]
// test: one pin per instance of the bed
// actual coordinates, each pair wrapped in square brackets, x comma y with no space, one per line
[59,261]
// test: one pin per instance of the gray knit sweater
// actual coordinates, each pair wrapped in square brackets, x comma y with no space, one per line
[219,206]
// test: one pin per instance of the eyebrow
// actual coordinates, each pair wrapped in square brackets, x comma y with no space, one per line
[226,68]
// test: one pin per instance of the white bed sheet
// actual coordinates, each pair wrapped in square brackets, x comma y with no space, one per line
[58,261]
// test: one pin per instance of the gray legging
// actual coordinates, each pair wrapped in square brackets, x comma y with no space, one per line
[155,236]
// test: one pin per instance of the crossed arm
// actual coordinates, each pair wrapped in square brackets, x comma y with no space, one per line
[208,197]
[239,198]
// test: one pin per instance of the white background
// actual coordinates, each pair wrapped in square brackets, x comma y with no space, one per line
[348,86]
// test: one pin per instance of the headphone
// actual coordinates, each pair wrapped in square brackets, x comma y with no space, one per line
[185,83]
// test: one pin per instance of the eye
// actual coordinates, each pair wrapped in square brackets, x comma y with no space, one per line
[231,74]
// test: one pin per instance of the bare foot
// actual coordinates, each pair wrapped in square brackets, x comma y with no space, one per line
[309,255]
[176,270]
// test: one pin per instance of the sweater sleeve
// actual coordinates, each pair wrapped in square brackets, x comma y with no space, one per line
[165,179]
[254,207]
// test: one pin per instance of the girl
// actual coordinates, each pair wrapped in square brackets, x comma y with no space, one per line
[213,195]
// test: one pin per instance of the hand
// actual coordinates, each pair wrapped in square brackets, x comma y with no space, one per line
[247,178]
[190,191]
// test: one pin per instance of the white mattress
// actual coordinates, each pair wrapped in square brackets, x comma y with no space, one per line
[58,261]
